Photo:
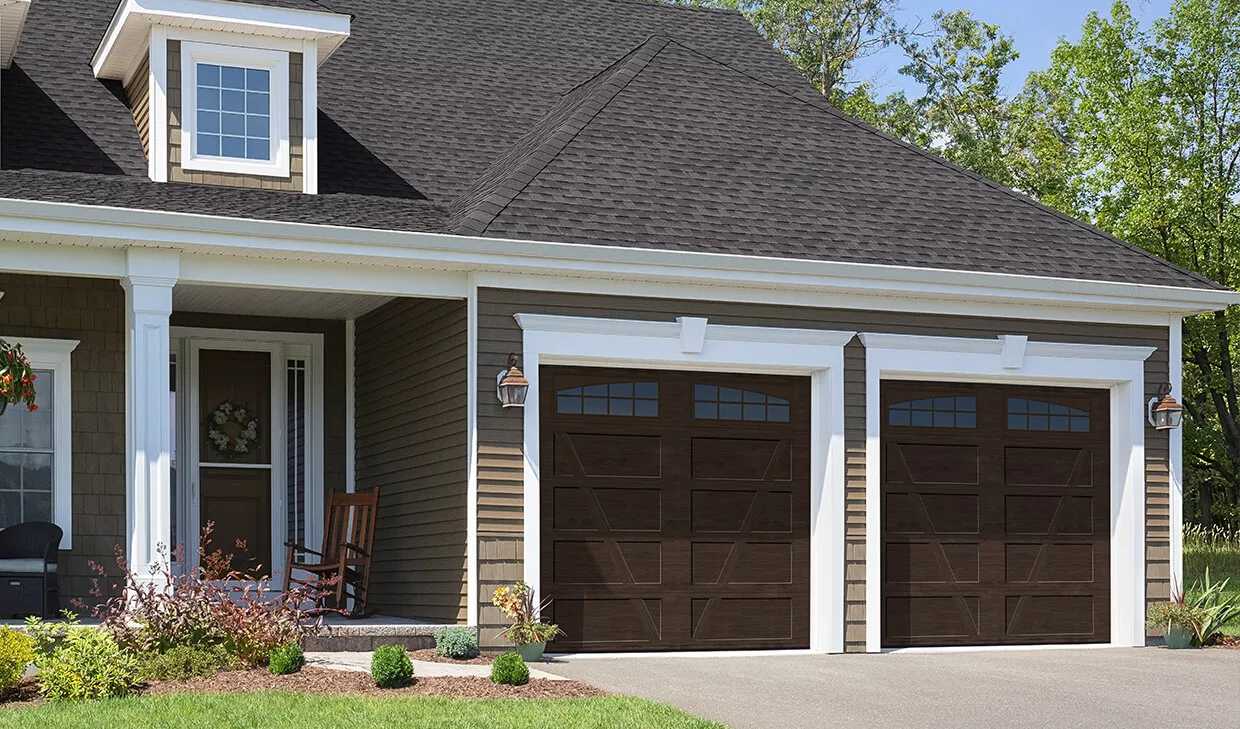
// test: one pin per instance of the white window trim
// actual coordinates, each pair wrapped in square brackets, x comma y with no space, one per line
[691,344]
[1012,359]
[274,61]
[55,355]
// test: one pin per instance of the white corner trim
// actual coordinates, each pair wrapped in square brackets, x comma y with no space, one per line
[1014,346]
[1119,369]
[55,355]
[157,106]
[310,118]
[1175,374]
[657,345]
[471,515]
[692,333]
[276,63]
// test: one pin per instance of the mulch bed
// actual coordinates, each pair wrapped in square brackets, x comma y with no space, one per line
[1226,641]
[322,681]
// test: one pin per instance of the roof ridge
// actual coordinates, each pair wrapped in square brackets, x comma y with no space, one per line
[677,8]
[470,213]
[821,103]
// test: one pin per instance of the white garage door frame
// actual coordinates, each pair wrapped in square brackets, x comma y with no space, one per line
[691,344]
[1013,359]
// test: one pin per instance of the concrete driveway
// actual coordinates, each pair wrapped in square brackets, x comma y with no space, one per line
[1132,688]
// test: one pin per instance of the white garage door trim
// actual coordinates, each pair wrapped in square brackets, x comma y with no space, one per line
[691,344]
[1012,359]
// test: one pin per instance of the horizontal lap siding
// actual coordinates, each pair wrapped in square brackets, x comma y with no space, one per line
[412,414]
[91,311]
[138,91]
[500,433]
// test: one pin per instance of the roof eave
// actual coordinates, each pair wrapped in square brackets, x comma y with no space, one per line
[120,227]
[12,20]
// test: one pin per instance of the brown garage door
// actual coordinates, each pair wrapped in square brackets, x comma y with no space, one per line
[675,509]
[996,514]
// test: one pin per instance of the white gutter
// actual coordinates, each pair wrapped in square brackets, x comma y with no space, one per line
[192,232]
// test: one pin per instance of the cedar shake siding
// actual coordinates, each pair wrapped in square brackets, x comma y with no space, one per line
[138,91]
[500,490]
[292,183]
[333,376]
[91,311]
[412,414]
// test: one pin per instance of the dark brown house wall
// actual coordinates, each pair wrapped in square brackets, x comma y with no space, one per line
[333,369]
[412,415]
[500,432]
[91,311]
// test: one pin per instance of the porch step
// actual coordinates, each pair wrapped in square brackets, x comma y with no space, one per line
[341,635]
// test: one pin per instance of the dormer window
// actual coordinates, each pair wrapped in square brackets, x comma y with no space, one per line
[223,93]
[235,110]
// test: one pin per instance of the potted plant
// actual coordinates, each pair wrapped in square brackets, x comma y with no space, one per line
[16,378]
[1178,621]
[527,632]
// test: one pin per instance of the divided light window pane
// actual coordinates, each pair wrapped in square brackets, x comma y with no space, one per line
[26,458]
[234,112]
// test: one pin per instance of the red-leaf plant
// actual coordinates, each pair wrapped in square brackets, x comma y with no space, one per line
[16,377]
[212,604]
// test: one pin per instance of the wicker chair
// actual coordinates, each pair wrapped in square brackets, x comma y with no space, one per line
[28,555]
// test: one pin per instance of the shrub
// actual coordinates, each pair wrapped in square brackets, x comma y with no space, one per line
[1218,607]
[288,659]
[458,643]
[518,604]
[185,661]
[208,606]
[509,668]
[390,667]
[77,663]
[16,652]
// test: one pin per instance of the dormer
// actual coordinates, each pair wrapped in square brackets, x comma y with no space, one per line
[223,93]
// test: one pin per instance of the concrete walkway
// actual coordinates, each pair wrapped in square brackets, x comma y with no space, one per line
[360,661]
[1128,688]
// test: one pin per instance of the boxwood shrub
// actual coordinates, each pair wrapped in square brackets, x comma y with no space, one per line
[286,659]
[390,667]
[509,668]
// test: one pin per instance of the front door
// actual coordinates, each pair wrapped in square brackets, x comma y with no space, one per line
[250,407]
[235,455]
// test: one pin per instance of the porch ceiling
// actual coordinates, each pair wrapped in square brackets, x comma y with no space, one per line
[273,302]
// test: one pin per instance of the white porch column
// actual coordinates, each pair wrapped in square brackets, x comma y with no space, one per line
[148,409]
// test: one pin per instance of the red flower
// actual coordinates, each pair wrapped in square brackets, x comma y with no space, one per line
[33,407]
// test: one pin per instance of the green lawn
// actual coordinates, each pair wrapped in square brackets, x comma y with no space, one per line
[299,711]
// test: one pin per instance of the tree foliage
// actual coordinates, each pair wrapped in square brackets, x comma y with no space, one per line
[1133,128]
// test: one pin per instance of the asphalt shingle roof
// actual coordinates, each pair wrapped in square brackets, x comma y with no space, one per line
[609,122]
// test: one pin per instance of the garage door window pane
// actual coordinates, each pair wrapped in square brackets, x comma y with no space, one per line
[959,411]
[713,402]
[1042,415]
[626,399]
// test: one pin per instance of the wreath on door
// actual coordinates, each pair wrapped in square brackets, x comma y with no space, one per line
[226,444]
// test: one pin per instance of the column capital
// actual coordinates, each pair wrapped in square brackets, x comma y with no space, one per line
[151,274]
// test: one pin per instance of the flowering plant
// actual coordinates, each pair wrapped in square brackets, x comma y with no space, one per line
[517,603]
[16,377]
[223,442]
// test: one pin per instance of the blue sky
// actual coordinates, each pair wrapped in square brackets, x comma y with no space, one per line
[1036,26]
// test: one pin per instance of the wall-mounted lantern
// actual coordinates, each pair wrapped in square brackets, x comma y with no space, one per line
[511,387]
[1164,412]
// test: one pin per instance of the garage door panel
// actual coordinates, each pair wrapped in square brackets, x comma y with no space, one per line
[1050,515]
[1071,467]
[733,620]
[930,463]
[608,455]
[742,563]
[685,529]
[1021,554]
[932,562]
[931,619]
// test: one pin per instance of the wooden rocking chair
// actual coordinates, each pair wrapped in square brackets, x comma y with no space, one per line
[348,539]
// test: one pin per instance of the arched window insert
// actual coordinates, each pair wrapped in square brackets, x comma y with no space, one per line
[713,402]
[959,411]
[1025,414]
[633,399]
